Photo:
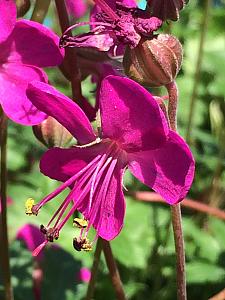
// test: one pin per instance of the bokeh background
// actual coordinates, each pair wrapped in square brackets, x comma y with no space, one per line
[144,250]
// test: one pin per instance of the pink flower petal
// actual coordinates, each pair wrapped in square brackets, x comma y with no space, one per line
[61,164]
[14,79]
[77,8]
[130,115]
[7,18]
[63,109]
[168,170]
[35,44]
[31,236]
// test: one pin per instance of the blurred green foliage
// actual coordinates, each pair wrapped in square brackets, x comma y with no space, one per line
[145,249]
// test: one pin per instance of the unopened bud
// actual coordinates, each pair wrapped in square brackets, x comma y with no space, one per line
[166,9]
[22,7]
[217,118]
[154,62]
[51,133]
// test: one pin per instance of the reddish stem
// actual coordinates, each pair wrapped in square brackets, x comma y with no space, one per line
[175,209]
[172,104]
[189,203]
[70,64]
[114,273]
[94,269]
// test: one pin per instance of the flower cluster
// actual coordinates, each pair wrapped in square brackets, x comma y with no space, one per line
[134,135]
[133,131]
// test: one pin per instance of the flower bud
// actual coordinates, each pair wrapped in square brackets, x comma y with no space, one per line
[217,119]
[165,9]
[51,133]
[154,62]
[22,7]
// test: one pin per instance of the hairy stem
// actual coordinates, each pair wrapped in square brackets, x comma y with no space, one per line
[40,10]
[180,252]
[189,203]
[172,105]
[204,26]
[176,209]
[3,216]
[114,273]
[70,65]
[94,270]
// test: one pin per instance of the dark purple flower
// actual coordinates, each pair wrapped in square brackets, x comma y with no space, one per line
[114,25]
[25,46]
[134,135]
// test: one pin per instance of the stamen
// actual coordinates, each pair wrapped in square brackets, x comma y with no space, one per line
[97,141]
[80,223]
[29,206]
[100,197]
[66,38]
[39,248]
[93,183]
[52,234]
[67,183]
[82,244]
[43,229]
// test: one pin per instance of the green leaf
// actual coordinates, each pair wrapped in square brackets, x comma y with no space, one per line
[201,272]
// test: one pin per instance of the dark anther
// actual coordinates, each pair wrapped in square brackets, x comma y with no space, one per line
[35,210]
[77,244]
[52,234]
[43,229]
[63,41]
[81,244]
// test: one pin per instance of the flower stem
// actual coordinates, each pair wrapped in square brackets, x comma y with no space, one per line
[193,99]
[176,210]
[94,269]
[180,252]
[189,203]
[3,216]
[172,105]
[40,10]
[114,273]
[70,65]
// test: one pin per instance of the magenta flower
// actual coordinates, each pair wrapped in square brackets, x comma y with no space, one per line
[114,24]
[84,275]
[135,135]
[24,47]
[77,8]
[31,236]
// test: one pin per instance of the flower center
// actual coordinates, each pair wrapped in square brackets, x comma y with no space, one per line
[88,194]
